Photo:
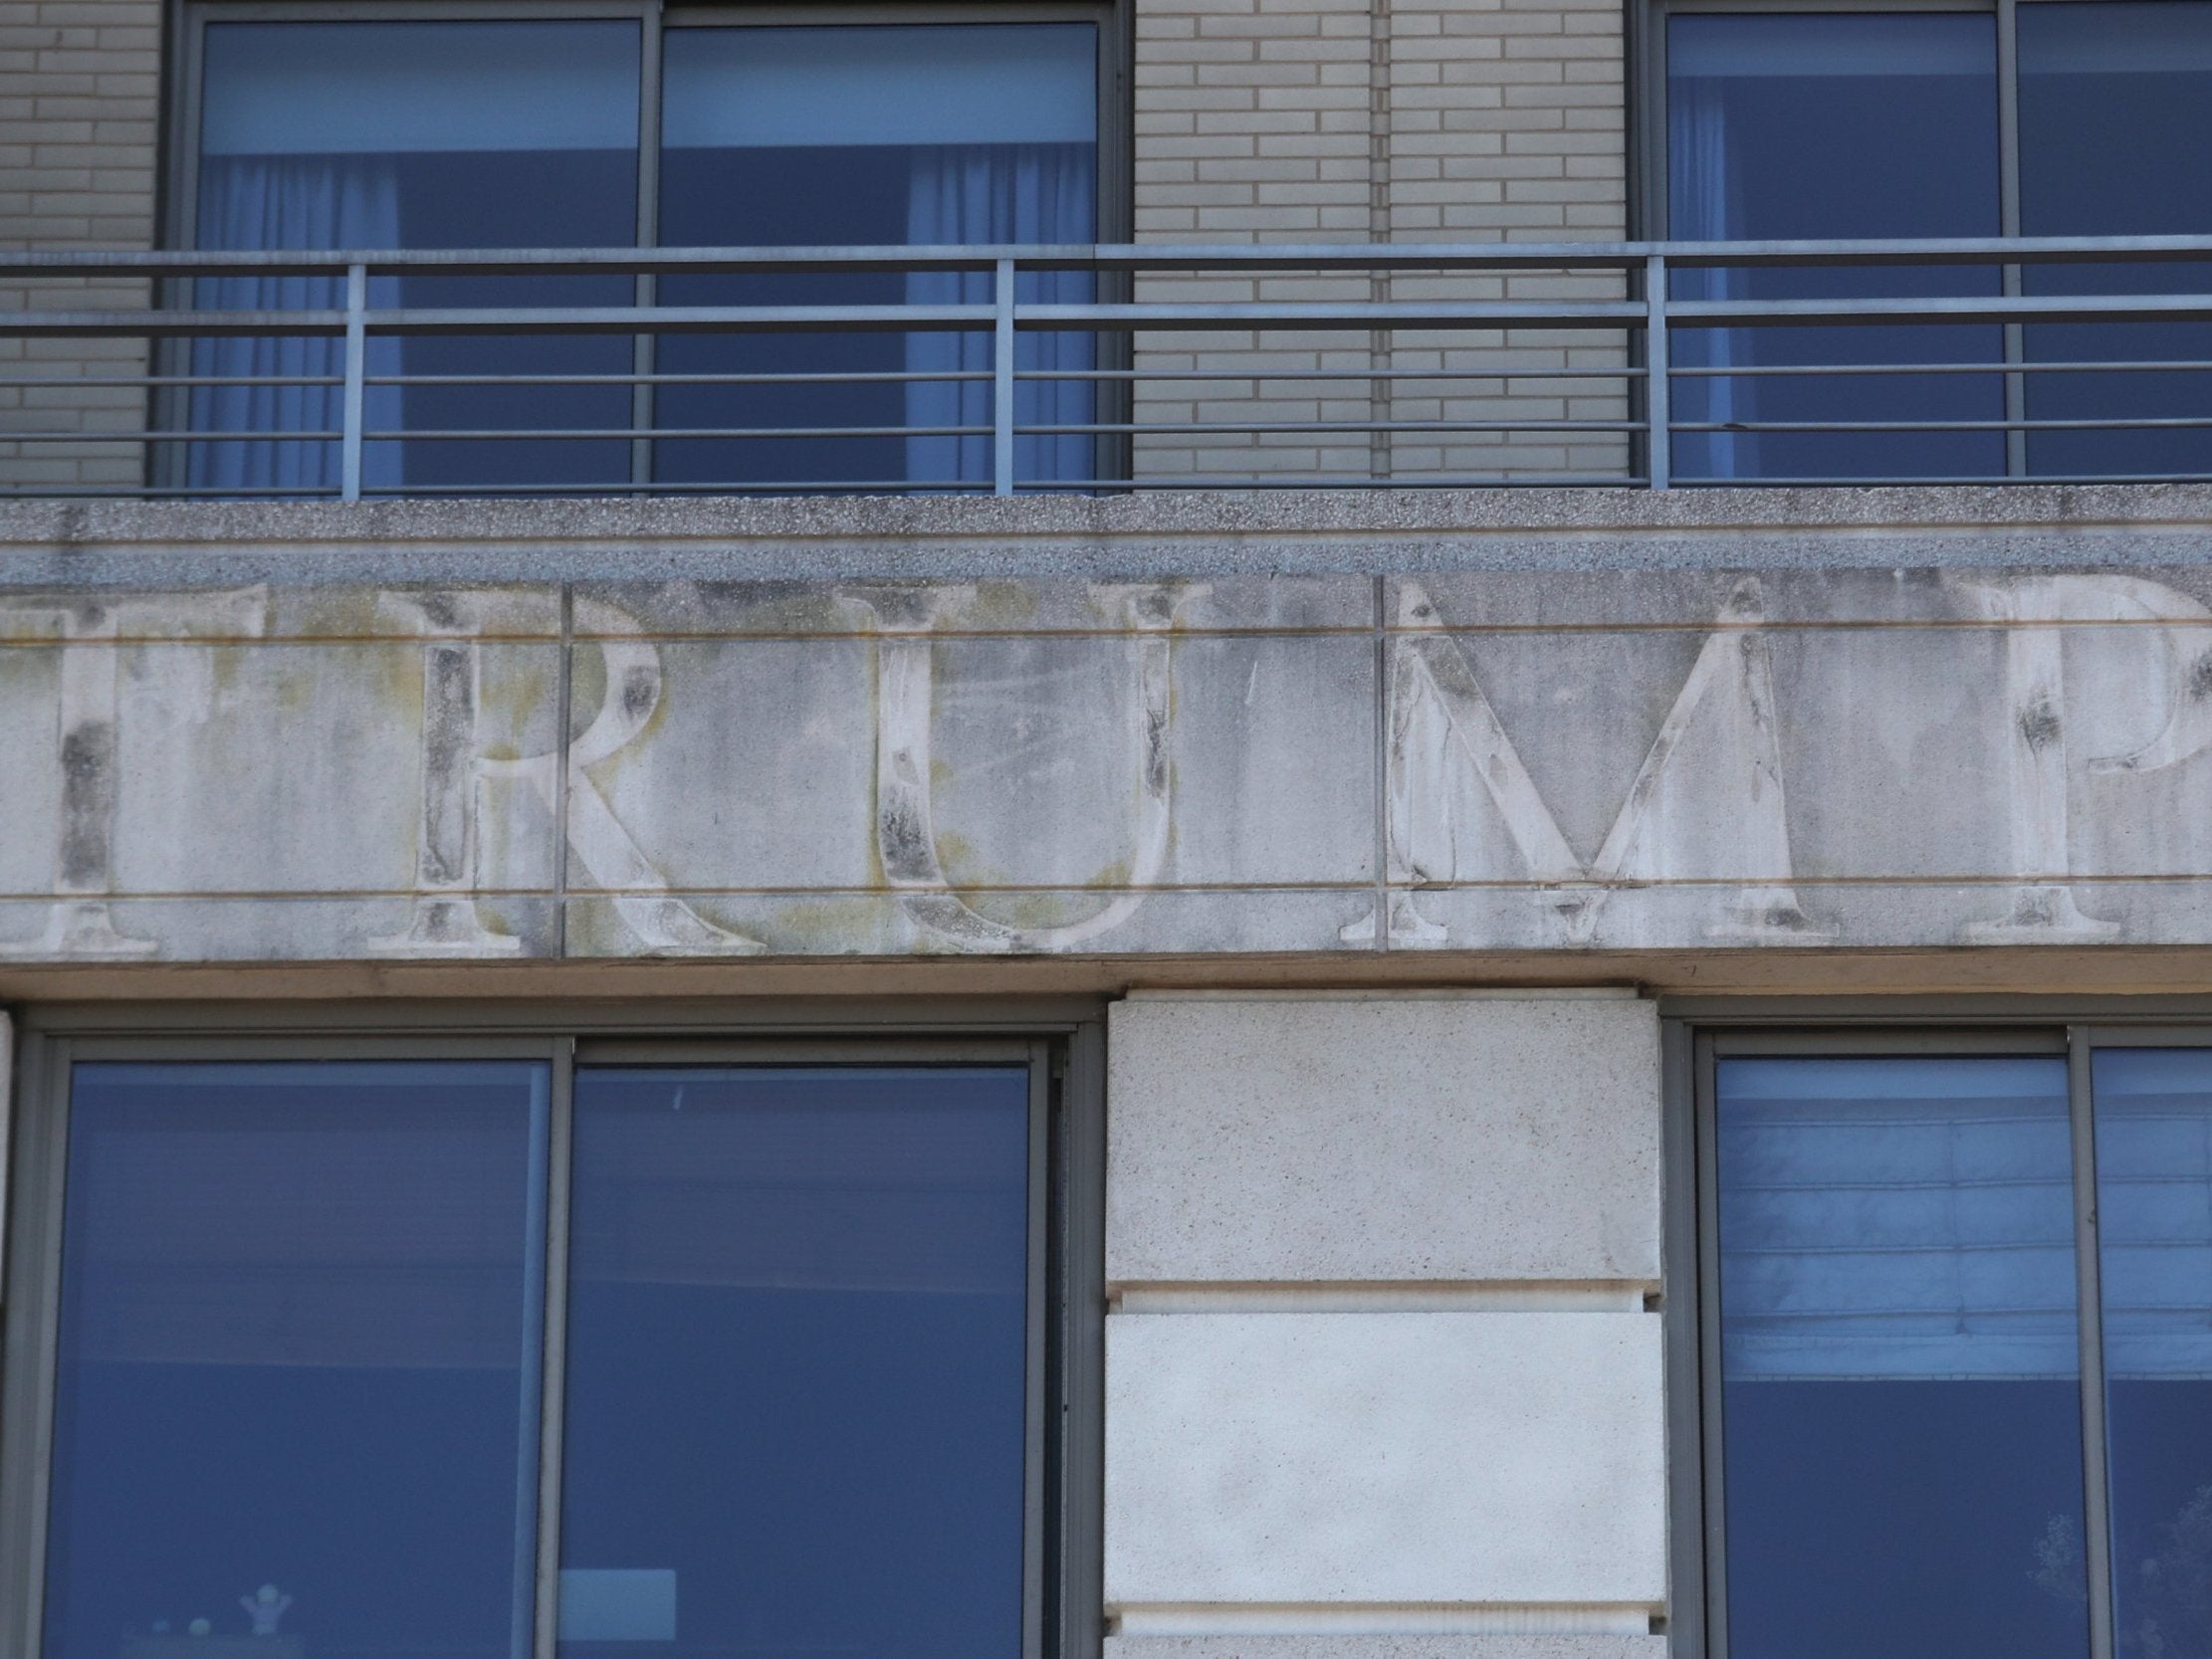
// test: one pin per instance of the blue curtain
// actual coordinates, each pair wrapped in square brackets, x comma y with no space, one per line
[288,201]
[1705,204]
[1000,193]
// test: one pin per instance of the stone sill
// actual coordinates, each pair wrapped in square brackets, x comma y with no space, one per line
[1195,532]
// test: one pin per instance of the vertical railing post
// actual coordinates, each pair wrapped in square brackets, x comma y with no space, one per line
[1659,418]
[354,402]
[1001,384]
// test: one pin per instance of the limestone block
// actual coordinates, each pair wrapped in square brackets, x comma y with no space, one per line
[1385,1458]
[1383,1138]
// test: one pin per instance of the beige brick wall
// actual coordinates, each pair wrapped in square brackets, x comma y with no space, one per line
[80,109]
[1424,120]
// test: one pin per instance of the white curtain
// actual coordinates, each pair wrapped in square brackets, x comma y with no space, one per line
[1000,193]
[288,201]
[1705,204]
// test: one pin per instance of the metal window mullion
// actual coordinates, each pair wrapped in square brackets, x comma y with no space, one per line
[2097,1539]
[560,1141]
[1036,1303]
[31,1322]
[1711,1461]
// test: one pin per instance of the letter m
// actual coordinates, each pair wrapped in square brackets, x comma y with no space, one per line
[1705,813]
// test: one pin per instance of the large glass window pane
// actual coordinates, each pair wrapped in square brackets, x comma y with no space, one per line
[1819,127]
[299,1348]
[2154,1234]
[796,1417]
[416,136]
[2115,140]
[876,136]
[1899,1374]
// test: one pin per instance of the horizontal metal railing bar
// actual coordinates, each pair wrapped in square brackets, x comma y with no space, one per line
[1268,376]
[1116,257]
[1207,428]
[180,382]
[1880,481]
[1272,315]
[2148,423]
[1933,310]
[1266,316]
[1785,370]
[564,434]
[793,378]
[615,490]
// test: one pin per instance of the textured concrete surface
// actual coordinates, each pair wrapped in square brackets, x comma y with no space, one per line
[134,543]
[1852,759]
[1285,1458]
[1383,1139]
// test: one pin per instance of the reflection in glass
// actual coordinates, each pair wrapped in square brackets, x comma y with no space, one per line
[876,136]
[796,1410]
[2115,140]
[371,136]
[2154,1241]
[1901,1378]
[1833,127]
[298,1346]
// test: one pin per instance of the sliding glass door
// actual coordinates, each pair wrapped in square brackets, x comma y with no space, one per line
[402,133]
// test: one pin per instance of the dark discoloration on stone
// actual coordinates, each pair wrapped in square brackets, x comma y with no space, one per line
[87,806]
[2040,725]
[448,757]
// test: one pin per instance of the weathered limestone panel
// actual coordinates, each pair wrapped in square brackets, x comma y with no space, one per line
[1286,1460]
[1515,760]
[1383,1139]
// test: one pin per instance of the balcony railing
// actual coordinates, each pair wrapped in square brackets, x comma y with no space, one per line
[1103,368]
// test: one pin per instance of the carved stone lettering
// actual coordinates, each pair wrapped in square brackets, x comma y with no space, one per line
[88,728]
[1439,719]
[445,920]
[2176,671]
[906,831]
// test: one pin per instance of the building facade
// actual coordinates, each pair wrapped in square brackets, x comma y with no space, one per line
[1177,829]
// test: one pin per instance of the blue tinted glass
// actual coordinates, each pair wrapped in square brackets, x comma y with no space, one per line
[876,135]
[300,1348]
[1900,1388]
[796,1363]
[417,135]
[2154,1240]
[1833,127]
[2115,140]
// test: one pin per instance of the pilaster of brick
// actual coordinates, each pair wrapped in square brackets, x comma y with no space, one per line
[79,109]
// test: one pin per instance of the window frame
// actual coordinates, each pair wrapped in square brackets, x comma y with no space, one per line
[1061,1042]
[177,174]
[1647,89]
[1699,1032]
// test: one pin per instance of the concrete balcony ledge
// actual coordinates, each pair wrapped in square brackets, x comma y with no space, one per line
[44,544]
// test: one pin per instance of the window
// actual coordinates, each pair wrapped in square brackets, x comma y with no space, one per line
[516,1346]
[641,131]
[1956,1346]
[1905,124]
